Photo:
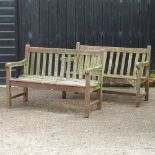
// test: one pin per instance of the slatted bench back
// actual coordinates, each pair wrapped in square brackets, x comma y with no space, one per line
[121,61]
[64,63]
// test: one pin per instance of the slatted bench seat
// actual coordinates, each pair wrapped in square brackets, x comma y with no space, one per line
[125,66]
[59,69]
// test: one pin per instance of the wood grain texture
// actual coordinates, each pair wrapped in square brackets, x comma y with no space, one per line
[71,63]
[131,71]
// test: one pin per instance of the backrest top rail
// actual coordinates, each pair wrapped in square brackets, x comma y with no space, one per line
[116,49]
[63,51]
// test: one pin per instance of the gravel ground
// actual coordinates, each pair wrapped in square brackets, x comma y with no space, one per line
[49,125]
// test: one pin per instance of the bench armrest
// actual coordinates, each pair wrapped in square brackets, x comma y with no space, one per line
[16,64]
[142,64]
[10,65]
[95,70]
[140,67]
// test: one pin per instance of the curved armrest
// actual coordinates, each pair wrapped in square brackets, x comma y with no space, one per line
[140,67]
[95,70]
[142,64]
[16,64]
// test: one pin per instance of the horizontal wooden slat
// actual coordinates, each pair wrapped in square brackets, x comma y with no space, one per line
[56,81]
[61,50]
[115,49]
[48,86]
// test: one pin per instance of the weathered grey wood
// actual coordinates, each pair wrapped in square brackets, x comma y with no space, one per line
[44,64]
[50,64]
[143,60]
[123,64]
[38,64]
[104,61]
[62,65]
[75,66]
[61,51]
[136,60]
[27,57]
[8,87]
[129,63]
[25,96]
[116,61]
[56,65]
[93,63]
[18,95]
[71,63]
[78,45]
[68,66]
[32,63]
[110,62]
[87,97]
[99,97]
[81,66]
[133,74]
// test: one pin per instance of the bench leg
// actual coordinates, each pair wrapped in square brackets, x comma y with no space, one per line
[25,97]
[8,97]
[64,94]
[8,88]
[87,105]
[147,90]
[99,97]
[138,98]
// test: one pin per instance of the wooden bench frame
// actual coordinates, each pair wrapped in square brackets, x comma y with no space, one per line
[88,72]
[137,79]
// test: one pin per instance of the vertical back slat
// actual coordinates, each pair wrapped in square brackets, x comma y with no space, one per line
[110,62]
[116,61]
[62,66]
[81,59]
[75,66]
[68,66]
[93,61]
[93,64]
[32,63]
[44,64]
[136,60]
[38,64]
[129,63]
[143,60]
[56,65]
[87,62]
[50,64]
[123,63]
[104,60]
[27,56]
[144,57]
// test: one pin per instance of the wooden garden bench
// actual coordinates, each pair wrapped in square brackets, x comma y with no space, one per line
[59,69]
[125,66]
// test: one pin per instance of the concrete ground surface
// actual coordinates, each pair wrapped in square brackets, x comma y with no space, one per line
[49,125]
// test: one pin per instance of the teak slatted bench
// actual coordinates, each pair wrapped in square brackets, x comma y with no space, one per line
[125,66]
[59,69]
